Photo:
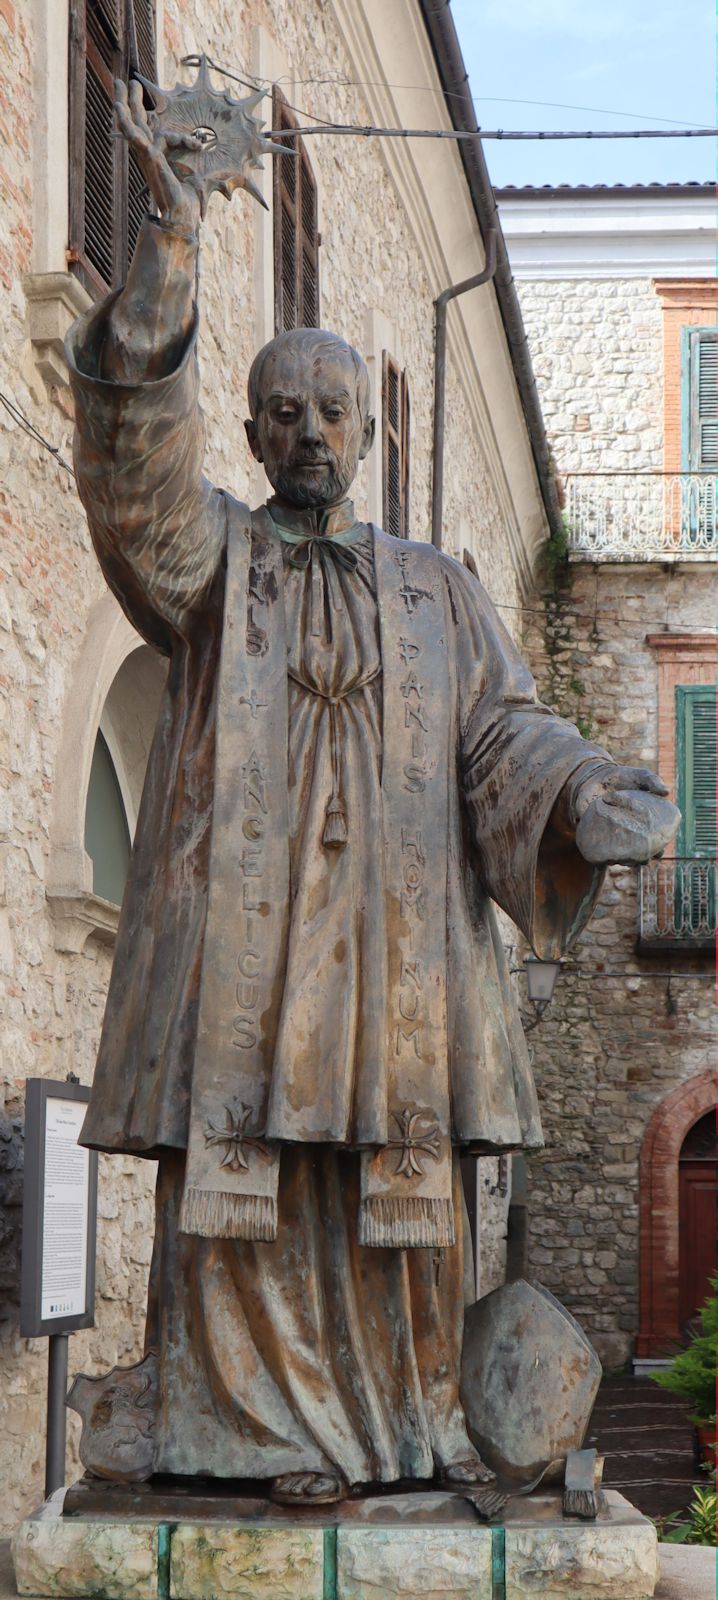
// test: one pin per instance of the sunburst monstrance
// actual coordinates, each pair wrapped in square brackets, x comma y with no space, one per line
[229,139]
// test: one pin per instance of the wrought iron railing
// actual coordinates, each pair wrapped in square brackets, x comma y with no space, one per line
[642,516]
[678,902]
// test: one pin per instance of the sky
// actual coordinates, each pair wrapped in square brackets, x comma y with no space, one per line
[626,63]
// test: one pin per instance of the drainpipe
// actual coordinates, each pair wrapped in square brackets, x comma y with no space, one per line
[451,67]
[441,306]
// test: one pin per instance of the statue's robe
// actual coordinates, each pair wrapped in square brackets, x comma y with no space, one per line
[313,1352]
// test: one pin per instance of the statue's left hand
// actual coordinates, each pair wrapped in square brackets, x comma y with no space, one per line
[623,815]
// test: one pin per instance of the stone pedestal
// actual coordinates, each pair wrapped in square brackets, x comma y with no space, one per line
[392,1547]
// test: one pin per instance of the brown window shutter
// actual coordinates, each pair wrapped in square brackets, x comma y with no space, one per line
[142,57]
[296,240]
[395,448]
[108,195]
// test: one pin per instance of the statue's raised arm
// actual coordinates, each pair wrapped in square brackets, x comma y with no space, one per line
[157,525]
[151,319]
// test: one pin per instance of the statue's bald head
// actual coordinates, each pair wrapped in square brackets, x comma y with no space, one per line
[305,347]
[310,422]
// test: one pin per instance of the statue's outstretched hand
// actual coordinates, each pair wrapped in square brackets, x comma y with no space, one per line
[623,815]
[178,203]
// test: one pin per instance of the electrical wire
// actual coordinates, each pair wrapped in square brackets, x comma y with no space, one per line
[251,81]
[29,428]
[369,131]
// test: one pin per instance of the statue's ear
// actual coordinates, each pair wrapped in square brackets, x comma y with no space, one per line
[367,438]
[250,428]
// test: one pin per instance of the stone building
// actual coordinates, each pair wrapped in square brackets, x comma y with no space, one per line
[619,295]
[366,239]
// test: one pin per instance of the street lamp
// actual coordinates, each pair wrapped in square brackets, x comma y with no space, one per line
[540,982]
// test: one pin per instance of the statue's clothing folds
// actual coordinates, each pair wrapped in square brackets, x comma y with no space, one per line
[160,533]
[314,1350]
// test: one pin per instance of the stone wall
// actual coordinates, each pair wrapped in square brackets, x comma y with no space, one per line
[608,1050]
[52,596]
[597,348]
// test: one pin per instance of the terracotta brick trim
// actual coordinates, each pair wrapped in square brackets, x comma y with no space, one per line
[682,658]
[659,1244]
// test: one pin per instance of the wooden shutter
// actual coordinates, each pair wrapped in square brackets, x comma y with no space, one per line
[703,400]
[108,195]
[395,448]
[142,57]
[296,240]
[696,760]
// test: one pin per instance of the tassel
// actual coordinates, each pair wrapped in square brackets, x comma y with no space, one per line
[335,828]
[584,1503]
[411,1224]
[229,1216]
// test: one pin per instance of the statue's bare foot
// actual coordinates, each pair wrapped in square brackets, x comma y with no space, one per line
[467,1473]
[308,1489]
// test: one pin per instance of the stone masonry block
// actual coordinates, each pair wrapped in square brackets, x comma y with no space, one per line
[54,1556]
[212,1561]
[416,1563]
[603,1560]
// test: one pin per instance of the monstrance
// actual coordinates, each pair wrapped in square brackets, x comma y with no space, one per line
[230,139]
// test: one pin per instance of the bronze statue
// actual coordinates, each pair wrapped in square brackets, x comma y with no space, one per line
[310,1013]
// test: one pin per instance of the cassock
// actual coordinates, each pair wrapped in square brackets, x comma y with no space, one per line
[309,992]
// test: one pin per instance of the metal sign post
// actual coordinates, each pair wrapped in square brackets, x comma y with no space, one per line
[59,1226]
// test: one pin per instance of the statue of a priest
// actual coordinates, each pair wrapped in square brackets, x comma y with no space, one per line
[310,1014]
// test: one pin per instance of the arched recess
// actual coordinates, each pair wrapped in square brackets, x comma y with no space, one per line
[115,688]
[659,1326]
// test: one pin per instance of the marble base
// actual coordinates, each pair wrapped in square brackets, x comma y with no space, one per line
[393,1547]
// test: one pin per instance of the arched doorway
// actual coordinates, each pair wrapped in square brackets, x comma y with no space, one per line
[697,1216]
[674,1256]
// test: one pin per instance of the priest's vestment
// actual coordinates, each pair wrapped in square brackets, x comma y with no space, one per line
[309,990]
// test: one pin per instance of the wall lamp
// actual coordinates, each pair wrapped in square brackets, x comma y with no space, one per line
[540,982]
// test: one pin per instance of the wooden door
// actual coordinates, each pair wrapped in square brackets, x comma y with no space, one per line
[698,1235]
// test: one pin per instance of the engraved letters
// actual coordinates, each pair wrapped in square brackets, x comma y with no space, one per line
[245,1026]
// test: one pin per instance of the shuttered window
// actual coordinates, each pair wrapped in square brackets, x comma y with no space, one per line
[395,448]
[703,400]
[296,239]
[696,760]
[108,195]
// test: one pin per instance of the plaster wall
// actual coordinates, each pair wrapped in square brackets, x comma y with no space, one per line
[62,636]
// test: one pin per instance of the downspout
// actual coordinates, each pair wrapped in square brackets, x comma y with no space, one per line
[444,41]
[441,305]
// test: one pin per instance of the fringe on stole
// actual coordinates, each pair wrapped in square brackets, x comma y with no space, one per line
[229,1216]
[411,1224]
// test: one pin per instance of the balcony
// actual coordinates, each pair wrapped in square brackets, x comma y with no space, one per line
[641,516]
[678,905]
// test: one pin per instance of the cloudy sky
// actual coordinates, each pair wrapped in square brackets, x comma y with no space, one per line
[654,59]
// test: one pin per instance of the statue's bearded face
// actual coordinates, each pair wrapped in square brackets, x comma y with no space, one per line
[311,427]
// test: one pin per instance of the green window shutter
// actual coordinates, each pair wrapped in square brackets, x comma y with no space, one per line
[703,400]
[696,760]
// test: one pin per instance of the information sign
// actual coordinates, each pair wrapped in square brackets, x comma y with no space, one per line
[59,1214]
